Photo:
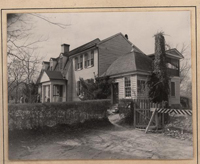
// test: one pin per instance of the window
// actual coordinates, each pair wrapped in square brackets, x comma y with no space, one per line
[57,90]
[89,59]
[141,86]
[51,65]
[172,88]
[79,62]
[127,82]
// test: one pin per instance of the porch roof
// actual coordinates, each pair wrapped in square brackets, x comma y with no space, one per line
[54,75]
[130,62]
[171,52]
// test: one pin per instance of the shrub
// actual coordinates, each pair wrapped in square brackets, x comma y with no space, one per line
[126,110]
[31,116]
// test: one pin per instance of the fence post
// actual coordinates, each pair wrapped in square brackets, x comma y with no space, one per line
[134,114]
[163,106]
[156,116]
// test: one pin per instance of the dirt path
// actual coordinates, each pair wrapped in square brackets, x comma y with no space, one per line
[113,142]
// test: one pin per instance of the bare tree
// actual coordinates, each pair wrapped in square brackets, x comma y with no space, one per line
[22,49]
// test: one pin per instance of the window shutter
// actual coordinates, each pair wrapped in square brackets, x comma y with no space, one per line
[78,88]
[92,58]
[76,63]
[81,62]
[86,58]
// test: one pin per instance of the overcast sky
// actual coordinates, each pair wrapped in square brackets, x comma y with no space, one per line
[139,26]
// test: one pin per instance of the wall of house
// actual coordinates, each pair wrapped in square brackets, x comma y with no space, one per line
[85,73]
[69,76]
[143,95]
[110,50]
[44,78]
[175,100]
[43,93]
[121,85]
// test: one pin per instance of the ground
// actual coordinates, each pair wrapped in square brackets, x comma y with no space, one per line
[106,141]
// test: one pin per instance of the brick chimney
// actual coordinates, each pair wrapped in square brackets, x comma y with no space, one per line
[65,48]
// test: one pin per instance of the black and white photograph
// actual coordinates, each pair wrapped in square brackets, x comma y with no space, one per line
[99,85]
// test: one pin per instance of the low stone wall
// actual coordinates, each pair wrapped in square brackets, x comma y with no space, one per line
[32,116]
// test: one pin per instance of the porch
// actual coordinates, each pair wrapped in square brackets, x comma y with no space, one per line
[53,91]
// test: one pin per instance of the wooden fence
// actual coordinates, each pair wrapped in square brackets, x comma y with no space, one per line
[142,114]
[139,111]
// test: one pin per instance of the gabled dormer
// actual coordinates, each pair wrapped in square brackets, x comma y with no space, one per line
[45,65]
[53,62]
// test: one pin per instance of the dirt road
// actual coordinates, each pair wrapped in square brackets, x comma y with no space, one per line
[112,142]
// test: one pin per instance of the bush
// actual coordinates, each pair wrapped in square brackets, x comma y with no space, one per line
[126,110]
[32,116]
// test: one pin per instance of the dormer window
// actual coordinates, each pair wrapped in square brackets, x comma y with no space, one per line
[51,65]
[89,59]
[61,62]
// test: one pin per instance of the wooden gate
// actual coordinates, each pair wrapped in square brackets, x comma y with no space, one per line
[142,114]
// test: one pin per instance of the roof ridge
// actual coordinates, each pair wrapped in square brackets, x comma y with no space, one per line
[84,44]
[119,33]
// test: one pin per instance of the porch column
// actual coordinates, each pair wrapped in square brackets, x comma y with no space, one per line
[42,93]
[51,92]
[112,94]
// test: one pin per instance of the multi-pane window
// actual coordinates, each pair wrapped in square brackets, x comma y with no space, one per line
[141,86]
[172,88]
[89,59]
[79,62]
[57,90]
[127,82]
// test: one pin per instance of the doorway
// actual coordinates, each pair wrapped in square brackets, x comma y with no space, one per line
[115,93]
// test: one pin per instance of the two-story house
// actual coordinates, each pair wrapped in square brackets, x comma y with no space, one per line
[115,57]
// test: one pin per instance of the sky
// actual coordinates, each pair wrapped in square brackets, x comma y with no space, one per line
[84,27]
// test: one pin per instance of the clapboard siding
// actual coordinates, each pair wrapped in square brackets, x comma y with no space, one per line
[121,86]
[134,87]
[110,50]
[120,82]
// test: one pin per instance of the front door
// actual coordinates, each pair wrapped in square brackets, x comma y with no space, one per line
[115,93]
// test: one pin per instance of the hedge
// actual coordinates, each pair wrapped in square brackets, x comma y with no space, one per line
[32,116]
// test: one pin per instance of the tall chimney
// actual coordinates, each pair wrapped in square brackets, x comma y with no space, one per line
[65,48]
[159,61]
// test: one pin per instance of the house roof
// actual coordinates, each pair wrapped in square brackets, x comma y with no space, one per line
[54,75]
[97,42]
[46,62]
[130,62]
[171,52]
[55,59]
[84,47]
[107,39]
